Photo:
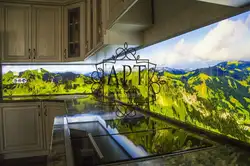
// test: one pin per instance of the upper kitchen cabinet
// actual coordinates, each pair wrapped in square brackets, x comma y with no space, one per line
[75,31]
[16,35]
[1,31]
[116,8]
[114,22]
[46,33]
[31,33]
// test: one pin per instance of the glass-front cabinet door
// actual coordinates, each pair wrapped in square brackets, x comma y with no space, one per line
[74,33]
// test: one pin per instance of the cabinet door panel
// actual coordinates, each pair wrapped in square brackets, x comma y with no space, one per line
[22,128]
[116,7]
[16,33]
[1,31]
[46,36]
[51,110]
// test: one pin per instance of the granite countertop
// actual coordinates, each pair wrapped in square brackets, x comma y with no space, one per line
[52,98]
[79,104]
[217,155]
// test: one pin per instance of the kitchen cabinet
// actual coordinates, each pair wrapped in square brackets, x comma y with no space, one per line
[117,8]
[75,31]
[22,127]
[90,27]
[46,33]
[50,111]
[16,32]
[99,16]
[1,31]
[31,33]
[26,128]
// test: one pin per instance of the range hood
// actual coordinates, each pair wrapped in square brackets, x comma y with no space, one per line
[233,3]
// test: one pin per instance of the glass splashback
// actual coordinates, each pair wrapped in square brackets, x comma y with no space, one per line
[201,78]
[22,80]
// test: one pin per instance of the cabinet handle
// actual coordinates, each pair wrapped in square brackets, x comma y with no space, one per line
[39,114]
[29,53]
[64,52]
[34,52]
[86,45]
[100,30]
[45,112]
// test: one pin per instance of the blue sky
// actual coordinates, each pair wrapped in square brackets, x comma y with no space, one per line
[226,40]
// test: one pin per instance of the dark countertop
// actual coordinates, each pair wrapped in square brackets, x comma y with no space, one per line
[217,155]
[47,98]
[81,104]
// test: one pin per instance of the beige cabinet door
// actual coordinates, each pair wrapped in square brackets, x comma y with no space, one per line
[116,8]
[98,8]
[46,33]
[16,33]
[50,111]
[1,133]
[128,3]
[1,31]
[22,128]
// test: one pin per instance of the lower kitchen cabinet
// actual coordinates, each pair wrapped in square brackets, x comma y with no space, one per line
[51,110]
[26,128]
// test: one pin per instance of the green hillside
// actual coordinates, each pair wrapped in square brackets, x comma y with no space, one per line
[215,98]
[37,84]
[219,102]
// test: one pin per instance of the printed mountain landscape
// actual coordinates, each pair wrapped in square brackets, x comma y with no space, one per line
[216,98]
[204,79]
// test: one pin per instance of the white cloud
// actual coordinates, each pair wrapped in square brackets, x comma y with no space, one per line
[228,40]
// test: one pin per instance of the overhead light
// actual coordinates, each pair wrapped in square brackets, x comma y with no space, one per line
[234,3]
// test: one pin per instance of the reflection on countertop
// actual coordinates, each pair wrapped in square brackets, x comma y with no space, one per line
[120,126]
[55,98]
[140,138]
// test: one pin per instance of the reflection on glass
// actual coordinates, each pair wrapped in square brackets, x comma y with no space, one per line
[74,32]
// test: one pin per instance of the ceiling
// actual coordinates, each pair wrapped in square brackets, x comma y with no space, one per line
[234,3]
